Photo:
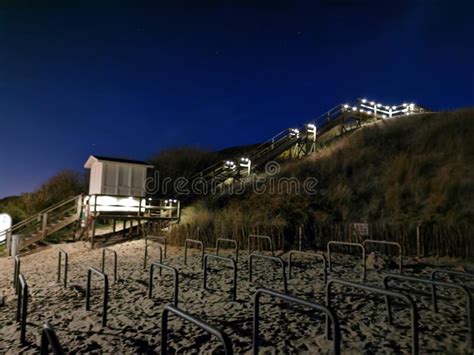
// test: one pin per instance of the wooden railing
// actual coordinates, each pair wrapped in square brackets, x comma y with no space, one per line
[45,222]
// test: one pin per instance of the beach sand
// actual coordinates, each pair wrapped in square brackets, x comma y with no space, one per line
[134,320]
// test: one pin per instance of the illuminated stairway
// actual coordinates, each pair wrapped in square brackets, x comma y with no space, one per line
[298,142]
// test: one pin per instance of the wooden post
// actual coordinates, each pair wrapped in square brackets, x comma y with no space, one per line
[9,242]
[418,240]
[114,226]
[300,237]
[79,206]
[44,224]
[93,232]
[76,226]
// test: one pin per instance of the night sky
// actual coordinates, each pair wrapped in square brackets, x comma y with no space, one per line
[129,80]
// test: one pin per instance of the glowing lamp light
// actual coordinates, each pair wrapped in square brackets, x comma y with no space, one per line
[354,108]
[311,126]
[372,103]
[128,202]
[106,200]
[346,106]
[379,105]
[5,224]
[394,107]
[230,164]
[364,101]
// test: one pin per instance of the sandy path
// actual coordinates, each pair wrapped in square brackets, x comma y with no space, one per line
[134,319]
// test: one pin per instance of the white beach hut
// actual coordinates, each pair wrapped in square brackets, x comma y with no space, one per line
[117,177]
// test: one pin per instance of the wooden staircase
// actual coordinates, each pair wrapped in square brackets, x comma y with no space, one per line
[43,224]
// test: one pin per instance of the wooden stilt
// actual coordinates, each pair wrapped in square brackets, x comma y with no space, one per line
[93,232]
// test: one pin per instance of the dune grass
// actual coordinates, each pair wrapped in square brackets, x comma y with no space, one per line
[393,175]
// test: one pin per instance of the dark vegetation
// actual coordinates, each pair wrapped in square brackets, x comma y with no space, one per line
[61,186]
[186,162]
[392,175]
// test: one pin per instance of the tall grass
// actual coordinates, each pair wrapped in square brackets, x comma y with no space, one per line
[392,175]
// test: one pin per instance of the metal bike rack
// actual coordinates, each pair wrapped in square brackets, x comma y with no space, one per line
[158,238]
[22,306]
[256,237]
[384,242]
[193,241]
[274,258]
[225,340]
[315,255]
[291,299]
[451,272]
[49,340]
[106,292]
[146,256]
[387,293]
[358,245]
[470,316]
[176,279]
[16,273]
[115,261]
[66,257]
[447,272]
[234,272]
[225,240]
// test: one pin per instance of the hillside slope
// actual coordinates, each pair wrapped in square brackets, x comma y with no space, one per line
[393,175]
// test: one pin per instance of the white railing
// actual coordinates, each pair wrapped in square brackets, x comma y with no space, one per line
[380,110]
[110,205]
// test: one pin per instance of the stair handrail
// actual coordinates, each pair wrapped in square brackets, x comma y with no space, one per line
[268,141]
[274,145]
[331,112]
[46,210]
[264,146]
[209,168]
[39,219]
[270,144]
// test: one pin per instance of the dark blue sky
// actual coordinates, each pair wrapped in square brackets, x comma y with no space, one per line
[129,80]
